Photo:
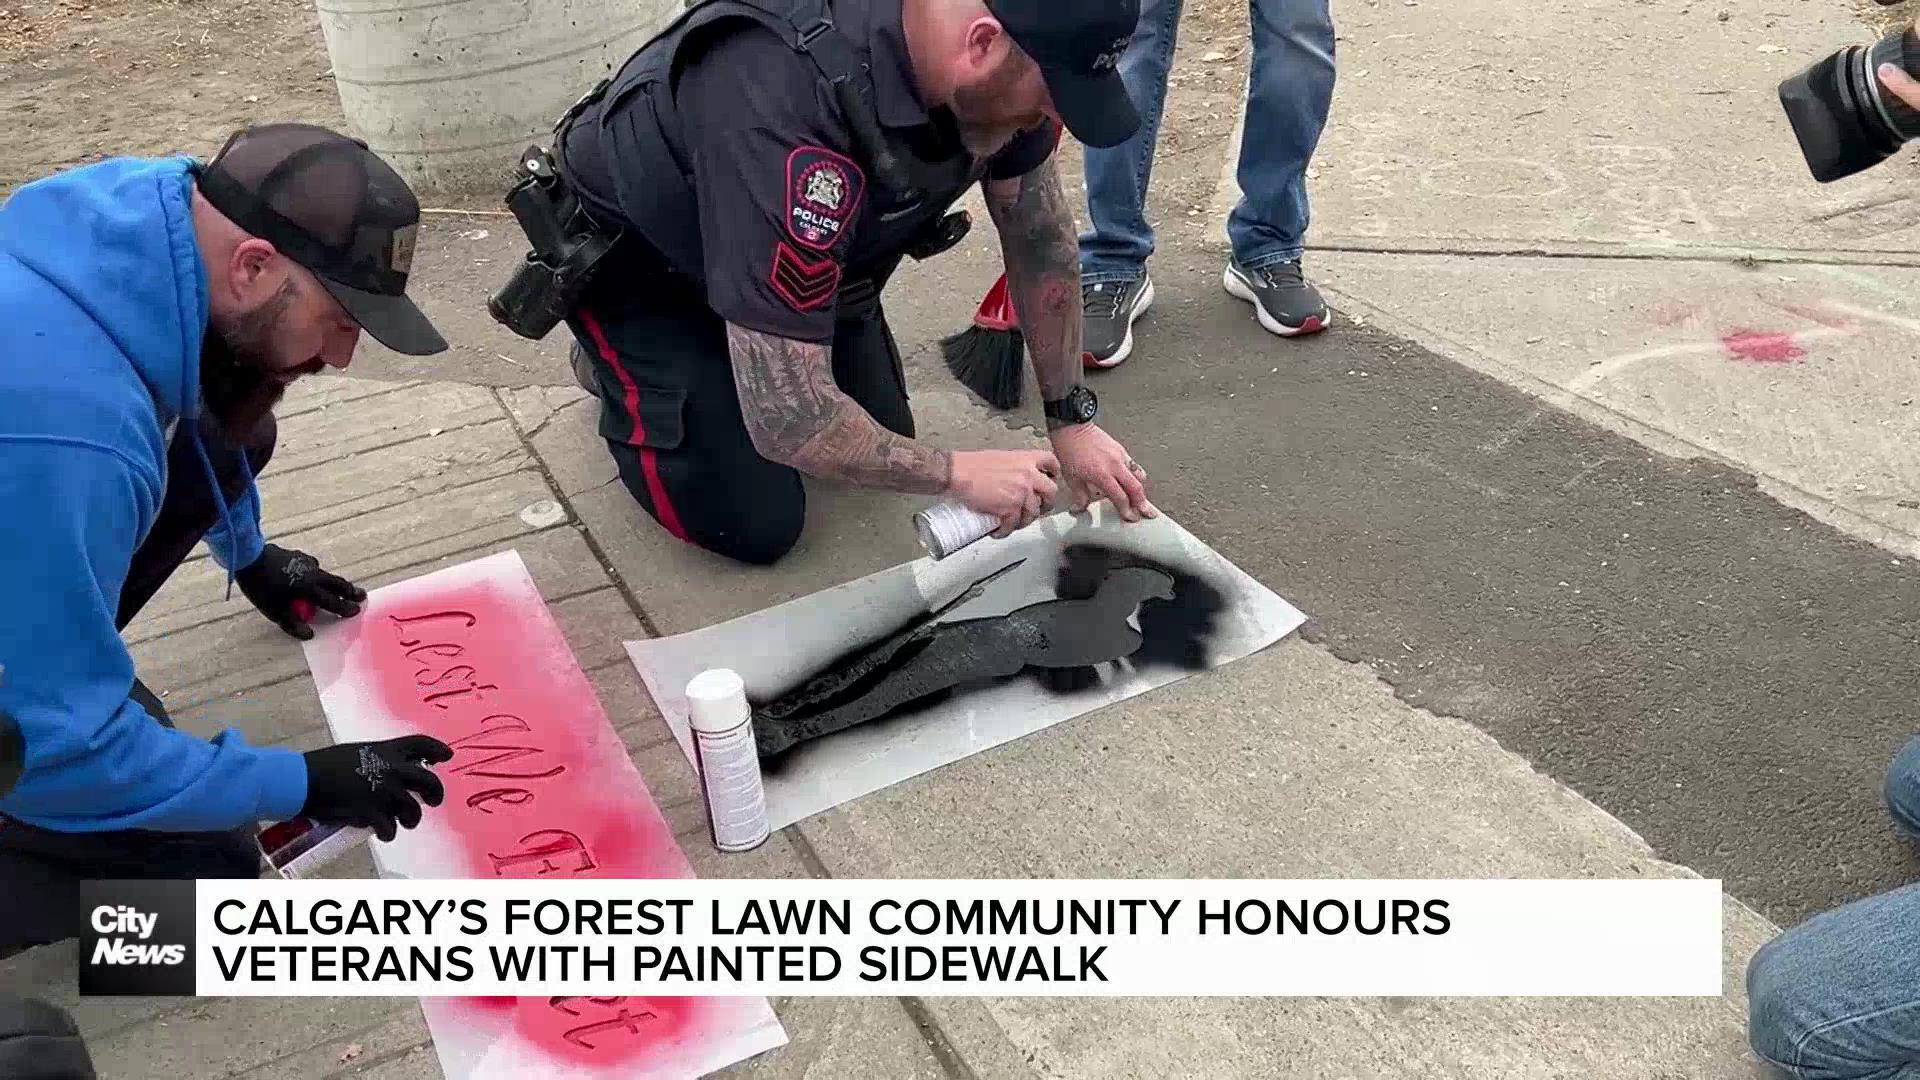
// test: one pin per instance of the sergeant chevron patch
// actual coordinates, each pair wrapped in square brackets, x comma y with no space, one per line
[805,284]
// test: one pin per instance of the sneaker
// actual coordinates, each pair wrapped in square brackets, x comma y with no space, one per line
[1107,314]
[1282,299]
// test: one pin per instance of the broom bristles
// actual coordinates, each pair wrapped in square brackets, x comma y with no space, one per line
[989,357]
[989,362]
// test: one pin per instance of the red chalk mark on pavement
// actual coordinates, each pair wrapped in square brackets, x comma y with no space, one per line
[1761,347]
[539,787]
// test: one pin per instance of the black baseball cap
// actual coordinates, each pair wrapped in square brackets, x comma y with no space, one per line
[1077,44]
[331,205]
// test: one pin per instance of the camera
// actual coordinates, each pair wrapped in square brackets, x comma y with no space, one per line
[1845,120]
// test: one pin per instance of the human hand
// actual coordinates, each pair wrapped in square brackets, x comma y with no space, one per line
[1015,486]
[1902,84]
[1096,466]
[288,585]
[374,785]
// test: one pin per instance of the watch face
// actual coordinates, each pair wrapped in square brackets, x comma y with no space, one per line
[1081,406]
[1078,407]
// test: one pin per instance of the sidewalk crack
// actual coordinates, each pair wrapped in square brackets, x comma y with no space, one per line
[938,1044]
[362,1066]
[566,502]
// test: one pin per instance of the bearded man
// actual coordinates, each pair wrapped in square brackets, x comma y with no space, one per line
[152,312]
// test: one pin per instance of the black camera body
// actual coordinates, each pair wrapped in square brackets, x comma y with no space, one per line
[566,248]
[1845,120]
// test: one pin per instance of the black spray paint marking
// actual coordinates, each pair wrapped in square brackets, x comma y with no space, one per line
[1063,641]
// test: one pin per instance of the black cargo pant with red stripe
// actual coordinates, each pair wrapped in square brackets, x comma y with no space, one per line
[671,415]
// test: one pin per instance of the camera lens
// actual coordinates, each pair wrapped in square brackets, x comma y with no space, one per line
[1844,120]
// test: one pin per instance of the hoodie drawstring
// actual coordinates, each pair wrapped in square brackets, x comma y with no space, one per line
[213,481]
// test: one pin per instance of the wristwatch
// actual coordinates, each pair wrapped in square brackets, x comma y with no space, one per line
[1079,406]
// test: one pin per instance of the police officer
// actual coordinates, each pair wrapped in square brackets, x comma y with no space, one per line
[766,165]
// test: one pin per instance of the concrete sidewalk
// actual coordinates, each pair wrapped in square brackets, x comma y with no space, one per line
[1289,764]
[1595,203]
[1603,204]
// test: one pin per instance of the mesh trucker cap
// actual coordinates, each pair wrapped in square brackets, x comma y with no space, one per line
[1077,44]
[331,205]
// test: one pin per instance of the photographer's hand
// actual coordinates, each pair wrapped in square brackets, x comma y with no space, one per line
[1902,84]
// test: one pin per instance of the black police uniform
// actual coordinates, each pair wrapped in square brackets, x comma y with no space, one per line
[796,235]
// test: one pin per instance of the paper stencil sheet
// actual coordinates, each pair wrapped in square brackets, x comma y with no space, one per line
[539,788]
[777,648]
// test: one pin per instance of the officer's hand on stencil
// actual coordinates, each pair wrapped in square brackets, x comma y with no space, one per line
[1015,486]
[288,585]
[1097,467]
[374,785]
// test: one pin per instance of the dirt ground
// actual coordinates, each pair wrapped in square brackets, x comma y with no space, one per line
[85,79]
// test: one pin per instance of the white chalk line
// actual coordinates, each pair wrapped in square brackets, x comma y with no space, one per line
[1614,365]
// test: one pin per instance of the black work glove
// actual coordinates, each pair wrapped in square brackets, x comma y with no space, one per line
[373,785]
[287,585]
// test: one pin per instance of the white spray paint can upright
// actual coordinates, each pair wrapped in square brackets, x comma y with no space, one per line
[727,760]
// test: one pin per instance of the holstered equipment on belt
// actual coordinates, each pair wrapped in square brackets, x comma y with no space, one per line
[567,246]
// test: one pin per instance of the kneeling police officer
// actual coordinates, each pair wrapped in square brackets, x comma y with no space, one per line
[716,221]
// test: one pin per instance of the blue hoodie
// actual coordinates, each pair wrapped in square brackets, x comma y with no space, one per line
[103,303]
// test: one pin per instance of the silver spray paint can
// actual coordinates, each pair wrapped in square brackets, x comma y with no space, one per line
[727,760]
[945,528]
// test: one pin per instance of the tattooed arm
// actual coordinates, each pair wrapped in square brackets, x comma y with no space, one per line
[1042,258]
[797,416]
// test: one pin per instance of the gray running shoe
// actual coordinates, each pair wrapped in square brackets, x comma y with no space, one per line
[1282,298]
[1107,314]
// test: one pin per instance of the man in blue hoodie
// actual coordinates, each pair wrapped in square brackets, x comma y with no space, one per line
[152,312]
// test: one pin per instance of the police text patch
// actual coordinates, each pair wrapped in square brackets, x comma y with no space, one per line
[823,192]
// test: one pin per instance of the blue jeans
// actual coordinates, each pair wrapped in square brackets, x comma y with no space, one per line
[1838,997]
[1288,94]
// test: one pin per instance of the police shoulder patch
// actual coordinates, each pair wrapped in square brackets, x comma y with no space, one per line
[823,193]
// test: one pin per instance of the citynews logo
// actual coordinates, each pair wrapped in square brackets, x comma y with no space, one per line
[118,950]
[137,938]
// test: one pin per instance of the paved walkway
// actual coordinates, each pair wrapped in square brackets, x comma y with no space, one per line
[385,481]
[1599,510]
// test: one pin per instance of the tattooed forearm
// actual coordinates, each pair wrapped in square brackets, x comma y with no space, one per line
[1043,271]
[797,416]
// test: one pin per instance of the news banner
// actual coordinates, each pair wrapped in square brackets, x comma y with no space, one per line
[857,938]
